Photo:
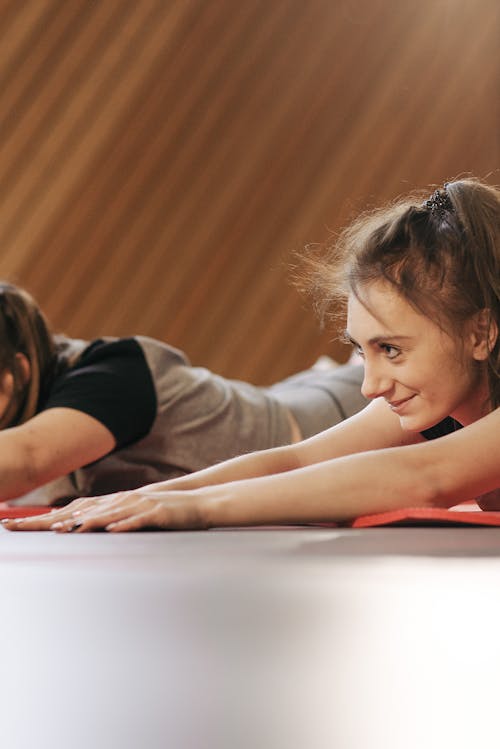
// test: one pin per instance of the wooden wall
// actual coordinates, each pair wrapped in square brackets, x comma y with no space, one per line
[161,159]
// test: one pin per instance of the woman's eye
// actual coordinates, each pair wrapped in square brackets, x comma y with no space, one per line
[391,351]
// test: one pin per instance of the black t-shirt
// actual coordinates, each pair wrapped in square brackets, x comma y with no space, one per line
[446,426]
[110,381]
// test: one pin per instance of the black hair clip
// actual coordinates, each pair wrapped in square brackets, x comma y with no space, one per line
[439,202]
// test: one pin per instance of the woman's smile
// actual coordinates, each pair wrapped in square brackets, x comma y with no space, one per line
[399,405]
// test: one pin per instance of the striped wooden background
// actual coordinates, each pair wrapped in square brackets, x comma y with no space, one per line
[160,160]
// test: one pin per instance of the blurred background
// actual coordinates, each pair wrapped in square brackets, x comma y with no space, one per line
[161,160]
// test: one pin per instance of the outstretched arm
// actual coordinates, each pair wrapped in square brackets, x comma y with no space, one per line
[373,428]
[436,473]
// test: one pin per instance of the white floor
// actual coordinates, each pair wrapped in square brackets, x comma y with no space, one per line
[251,639]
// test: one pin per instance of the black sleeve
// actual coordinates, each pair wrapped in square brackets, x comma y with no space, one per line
[110,381]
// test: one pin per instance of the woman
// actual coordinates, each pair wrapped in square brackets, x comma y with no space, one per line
[89,418]
[422,285]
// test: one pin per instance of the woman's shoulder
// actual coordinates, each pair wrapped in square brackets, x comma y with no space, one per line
[158,353]
[77,353]
[109,379]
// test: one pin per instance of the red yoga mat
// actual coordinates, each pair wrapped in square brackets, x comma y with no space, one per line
[465,515]
[21,512]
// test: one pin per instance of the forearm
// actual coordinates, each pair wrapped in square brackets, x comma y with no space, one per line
[251,465]
[17,471]
[50,445]
[336,490]
[374,428]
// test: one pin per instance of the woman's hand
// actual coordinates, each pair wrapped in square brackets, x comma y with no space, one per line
[124,511]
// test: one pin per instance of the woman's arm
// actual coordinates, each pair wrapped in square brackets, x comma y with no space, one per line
[373,428]
[440,473]
[51,444]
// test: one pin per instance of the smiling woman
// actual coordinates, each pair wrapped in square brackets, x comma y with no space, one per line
[404,352]
[421,283]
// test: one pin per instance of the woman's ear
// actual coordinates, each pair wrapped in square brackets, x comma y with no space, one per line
[483,334]
[24,365]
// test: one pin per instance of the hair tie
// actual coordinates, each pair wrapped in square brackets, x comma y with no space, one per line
[439,202]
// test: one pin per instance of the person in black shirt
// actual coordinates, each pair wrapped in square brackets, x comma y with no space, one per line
[80,418]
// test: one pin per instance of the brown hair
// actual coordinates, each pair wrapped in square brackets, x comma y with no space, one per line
[24,330]
[445,261]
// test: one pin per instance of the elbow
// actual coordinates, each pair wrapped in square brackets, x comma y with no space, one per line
[423,480]
[431,495]
[26,472]
[437,487]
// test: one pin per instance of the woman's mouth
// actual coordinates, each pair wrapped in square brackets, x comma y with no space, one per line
[398,406]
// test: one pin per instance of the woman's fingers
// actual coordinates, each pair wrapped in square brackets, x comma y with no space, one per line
[36,523]
[100,516]
[45,521]
[139,512]
[64,514]
[124,511]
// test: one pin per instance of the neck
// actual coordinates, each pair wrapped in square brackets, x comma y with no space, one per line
[477,405]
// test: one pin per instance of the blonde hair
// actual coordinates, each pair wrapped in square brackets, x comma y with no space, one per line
[24,330]
[445,262]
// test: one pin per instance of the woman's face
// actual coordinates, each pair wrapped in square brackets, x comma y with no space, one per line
[423,373]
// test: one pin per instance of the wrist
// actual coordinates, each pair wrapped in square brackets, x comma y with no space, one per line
[212,506]
[226,505]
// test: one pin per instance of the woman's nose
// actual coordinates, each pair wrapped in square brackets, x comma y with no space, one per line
[375,383]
